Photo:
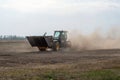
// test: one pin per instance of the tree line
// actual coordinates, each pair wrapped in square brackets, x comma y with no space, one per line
[11,37]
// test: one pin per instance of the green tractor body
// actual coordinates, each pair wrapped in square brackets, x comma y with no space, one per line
[59,40]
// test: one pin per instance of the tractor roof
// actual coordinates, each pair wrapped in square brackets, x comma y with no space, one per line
[60,31]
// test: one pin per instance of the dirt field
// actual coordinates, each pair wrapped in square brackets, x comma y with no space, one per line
[19,61]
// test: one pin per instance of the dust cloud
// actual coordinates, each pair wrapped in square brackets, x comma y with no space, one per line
[99,39]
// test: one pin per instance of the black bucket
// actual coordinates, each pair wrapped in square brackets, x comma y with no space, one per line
[40,41]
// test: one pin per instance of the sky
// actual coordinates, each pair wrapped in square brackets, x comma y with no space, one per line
[34,17]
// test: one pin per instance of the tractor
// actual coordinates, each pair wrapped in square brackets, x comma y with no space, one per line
[55,42]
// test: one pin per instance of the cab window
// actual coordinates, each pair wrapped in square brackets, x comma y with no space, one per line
[56,35]
[64,36]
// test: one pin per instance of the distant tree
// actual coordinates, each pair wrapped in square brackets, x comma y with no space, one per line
[11,37]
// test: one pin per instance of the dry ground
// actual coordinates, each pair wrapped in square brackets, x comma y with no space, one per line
[19,57]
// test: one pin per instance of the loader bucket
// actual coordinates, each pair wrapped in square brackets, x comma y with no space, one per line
[40,41]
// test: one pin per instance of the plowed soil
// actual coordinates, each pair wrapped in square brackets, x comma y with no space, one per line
[21,54]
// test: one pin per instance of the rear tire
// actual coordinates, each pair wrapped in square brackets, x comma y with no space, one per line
[56,46]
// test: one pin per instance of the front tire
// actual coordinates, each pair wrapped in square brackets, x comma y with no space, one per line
[42,49]
[56,46]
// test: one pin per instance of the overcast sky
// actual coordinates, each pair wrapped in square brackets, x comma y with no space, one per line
[34,17]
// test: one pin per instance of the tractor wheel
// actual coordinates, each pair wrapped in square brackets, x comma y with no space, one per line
[42,49]
[56,46]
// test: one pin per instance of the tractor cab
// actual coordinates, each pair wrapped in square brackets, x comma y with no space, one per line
[60,37]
